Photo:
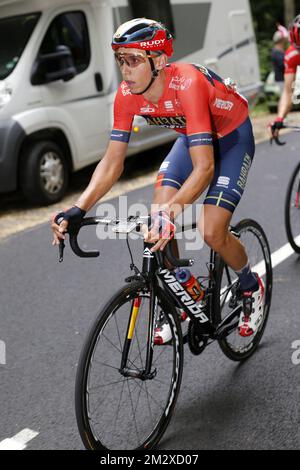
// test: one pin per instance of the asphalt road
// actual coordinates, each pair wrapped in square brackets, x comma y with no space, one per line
[47,307]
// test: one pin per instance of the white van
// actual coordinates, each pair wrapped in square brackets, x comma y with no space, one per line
[58,79]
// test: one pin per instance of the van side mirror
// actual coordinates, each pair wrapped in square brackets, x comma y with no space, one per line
[58,65]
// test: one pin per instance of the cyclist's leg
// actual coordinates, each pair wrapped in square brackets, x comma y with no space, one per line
[172,173]
[213,225]
[232,162]
[233,158]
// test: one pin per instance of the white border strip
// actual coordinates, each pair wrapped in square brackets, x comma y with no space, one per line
[19,441]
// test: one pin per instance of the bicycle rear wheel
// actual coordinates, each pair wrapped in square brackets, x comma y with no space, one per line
[292,210]
[115,412]
[234,346]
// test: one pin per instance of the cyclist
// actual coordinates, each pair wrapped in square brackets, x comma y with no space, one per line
[291,62]
[277,57]
[215,148]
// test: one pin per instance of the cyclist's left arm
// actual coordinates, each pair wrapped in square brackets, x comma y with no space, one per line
[285,103]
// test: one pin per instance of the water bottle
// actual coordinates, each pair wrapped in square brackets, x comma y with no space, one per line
[190,283]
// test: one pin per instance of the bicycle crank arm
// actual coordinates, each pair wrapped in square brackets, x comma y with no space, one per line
[226,326]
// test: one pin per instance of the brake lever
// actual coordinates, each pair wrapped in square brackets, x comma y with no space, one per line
[61,250]
[61,244]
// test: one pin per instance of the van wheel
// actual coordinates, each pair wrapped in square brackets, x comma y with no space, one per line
[44,173]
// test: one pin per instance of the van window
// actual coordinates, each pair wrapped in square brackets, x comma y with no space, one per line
[159,10]
[69,29]
[15,32]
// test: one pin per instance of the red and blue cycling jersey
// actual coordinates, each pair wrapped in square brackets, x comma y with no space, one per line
[195,102]
[291,60]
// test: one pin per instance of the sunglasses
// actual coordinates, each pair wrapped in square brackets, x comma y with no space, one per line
[132,60]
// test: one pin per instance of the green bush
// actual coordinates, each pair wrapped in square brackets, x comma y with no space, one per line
[264,52]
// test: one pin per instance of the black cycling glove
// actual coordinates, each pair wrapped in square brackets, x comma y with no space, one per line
[74,214]
[276,125]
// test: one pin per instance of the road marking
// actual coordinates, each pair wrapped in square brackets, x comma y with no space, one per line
[277,257]
[19,441]
[284,252]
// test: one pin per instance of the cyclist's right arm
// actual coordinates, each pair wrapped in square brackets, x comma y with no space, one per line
[109,169]
[107,172]
[111,166]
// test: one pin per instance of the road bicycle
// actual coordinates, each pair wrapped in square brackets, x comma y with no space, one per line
[292,202]
[126,386]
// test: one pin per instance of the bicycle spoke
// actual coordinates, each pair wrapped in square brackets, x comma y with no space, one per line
[119,351]
[151,414]
[160,354]
[107,339]
[107,385]
[118,332]
[160,381]
[136,428]
[144,347]
[137,402]
[106,365]
[158,404]
[103,399]
[118,409]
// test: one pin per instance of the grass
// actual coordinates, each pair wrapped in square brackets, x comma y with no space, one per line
[260,109]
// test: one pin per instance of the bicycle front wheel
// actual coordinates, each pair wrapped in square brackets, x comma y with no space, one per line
[292,210]
[226,299]
[125,413]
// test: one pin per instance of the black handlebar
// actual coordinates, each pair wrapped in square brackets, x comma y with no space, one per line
[74,228]
[276,139]
[73,231]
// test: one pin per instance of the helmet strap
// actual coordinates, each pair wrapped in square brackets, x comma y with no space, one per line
[154,75]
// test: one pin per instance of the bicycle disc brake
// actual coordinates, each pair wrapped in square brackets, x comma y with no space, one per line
[197,341]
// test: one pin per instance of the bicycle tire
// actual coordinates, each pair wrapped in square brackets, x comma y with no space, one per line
[287,214]
[128,292]
[227,348]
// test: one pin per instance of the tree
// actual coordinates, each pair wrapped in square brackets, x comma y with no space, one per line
[289,11]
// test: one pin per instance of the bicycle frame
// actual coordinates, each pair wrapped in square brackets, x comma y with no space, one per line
[154,270]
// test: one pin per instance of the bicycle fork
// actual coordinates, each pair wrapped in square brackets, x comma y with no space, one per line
[142,374]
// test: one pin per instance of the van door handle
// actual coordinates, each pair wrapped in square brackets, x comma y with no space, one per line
[98,81]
